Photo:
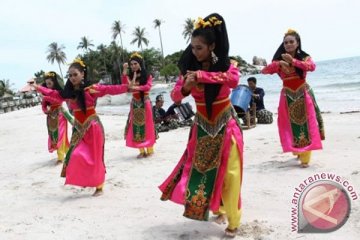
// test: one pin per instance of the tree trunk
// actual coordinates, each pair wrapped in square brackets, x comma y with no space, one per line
[162,50]
[61,72]
[122,48]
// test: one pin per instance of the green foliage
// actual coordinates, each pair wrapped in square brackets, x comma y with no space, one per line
[173,58]
[169,70]
[5,87]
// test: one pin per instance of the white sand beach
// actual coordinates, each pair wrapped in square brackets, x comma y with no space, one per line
[35,204]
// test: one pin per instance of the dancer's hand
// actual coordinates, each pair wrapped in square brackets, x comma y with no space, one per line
[125,68]
[287,57]
[190,80]
[33,84]
[284,64]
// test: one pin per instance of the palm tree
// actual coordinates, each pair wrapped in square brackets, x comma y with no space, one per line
[102,48]
[57,54]
[5,87]
[140,38]
[85,44]
[115,52]
[188,29]
[157,23]
[117,28]
[39,76]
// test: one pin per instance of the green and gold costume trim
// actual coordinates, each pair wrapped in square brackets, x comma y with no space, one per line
[139,119]
[222,112]
[79,130]
[298,115]
[203,174]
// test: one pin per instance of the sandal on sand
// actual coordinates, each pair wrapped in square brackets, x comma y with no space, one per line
[141,155]
[304,165]
[230,233]
[98,192]
[220,219]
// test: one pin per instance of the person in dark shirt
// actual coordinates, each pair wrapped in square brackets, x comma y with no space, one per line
[258,94]
[158,111]
[262,115]
[171,110]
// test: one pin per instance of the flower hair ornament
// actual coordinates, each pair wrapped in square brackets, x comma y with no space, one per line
[49,74]
[290,31]
[79,61]
[135,55]
[212,22]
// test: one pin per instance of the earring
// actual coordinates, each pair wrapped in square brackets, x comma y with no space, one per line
[214,58]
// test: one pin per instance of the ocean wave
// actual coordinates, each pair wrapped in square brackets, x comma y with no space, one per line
[341,85]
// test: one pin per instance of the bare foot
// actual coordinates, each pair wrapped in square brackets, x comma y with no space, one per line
[230,233]
[304,165]
[98,192]
[220,219]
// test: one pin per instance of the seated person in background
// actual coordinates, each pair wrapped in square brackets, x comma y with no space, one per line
[182,112]
[262,115]
[170,113]
[158,111]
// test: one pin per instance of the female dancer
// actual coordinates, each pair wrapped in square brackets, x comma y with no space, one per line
[140,127]
[84,163]
[209,174]
[300,124]
[56,118]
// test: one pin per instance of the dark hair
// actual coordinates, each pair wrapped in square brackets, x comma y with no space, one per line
[53,77]
[252,79]
[215,34]
[159,98]
[299,53]
[78,94]
[143,74]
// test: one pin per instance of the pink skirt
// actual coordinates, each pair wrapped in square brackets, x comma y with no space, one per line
[284,126]
[86,167]
[149,129]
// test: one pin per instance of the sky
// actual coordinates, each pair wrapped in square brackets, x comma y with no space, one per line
[328,29]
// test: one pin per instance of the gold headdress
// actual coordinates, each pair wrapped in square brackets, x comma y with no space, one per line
[49,74]
[290,31]
[212,22]
[79,61]
[135,55]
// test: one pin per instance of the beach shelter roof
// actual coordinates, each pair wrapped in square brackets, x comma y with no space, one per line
[28,87]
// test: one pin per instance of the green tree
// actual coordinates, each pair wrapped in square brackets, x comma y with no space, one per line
[169,70]
[118,28]
[152,58]
[116,51]
[140,39]
[6,87]
[241,61]
[103,52]
[174,58]
[157,24]
[188,29]
[39,76]
[57,54]
[85,44]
